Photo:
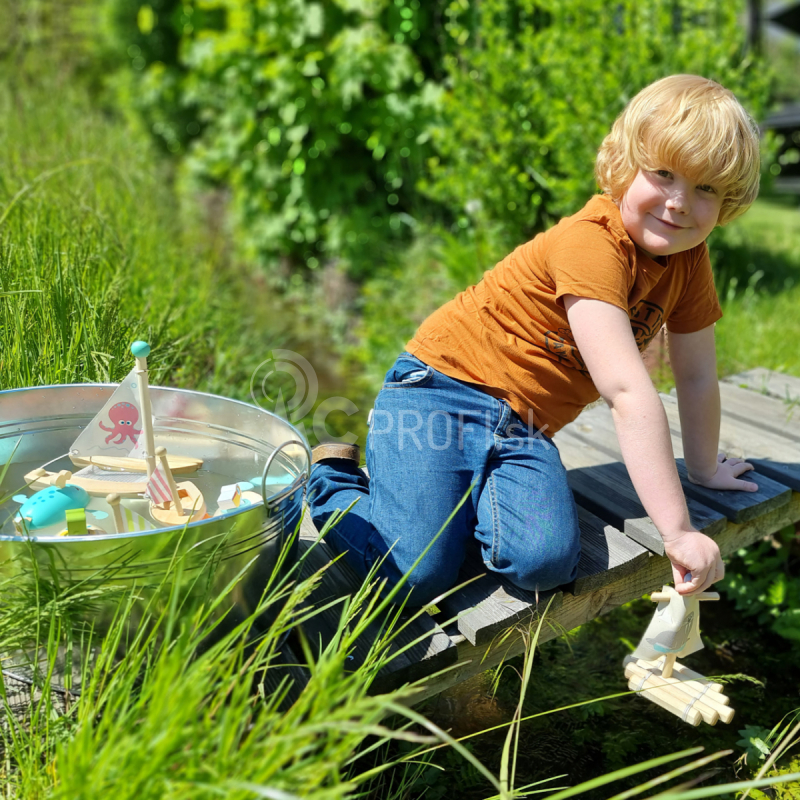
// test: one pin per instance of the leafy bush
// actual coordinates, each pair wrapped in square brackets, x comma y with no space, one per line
[763,582]
[313,113]
[318,115]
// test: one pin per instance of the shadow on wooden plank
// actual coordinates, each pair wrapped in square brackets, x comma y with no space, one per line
[606,554]
[490,604]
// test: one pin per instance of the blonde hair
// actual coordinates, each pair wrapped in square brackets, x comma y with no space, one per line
[686,124]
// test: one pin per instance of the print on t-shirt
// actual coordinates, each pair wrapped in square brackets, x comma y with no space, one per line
[646,321]
[561,344]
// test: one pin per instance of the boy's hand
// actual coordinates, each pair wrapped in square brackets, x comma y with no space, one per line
[727,475]
[694,552]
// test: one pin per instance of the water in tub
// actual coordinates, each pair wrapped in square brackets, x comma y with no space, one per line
[210,479]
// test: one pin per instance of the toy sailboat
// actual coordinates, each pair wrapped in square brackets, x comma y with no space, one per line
[120,458]
[652,668]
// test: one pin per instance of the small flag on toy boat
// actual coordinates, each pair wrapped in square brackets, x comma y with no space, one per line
[158,487]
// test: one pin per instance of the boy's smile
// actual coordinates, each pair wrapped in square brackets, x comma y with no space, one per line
[665,213]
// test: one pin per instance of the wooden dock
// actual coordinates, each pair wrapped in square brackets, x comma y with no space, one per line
[622,556]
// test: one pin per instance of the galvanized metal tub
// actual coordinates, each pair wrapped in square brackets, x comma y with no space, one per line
[235,439]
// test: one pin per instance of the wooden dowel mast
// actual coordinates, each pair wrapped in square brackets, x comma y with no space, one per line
[668,665]
[140,351]
[116,513]
[161,452]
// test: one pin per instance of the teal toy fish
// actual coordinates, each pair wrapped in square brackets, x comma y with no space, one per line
[50,506]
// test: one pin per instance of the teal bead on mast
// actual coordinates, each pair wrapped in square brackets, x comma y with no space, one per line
[140,349]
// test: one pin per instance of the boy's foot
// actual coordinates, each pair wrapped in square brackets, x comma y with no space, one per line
[352,452]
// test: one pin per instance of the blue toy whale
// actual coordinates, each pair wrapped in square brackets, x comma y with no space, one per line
[49,506]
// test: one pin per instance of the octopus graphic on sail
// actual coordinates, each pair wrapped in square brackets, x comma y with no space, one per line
[118,427]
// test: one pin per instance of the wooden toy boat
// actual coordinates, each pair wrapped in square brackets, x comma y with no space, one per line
[179,465]
[119,457]
[192,507]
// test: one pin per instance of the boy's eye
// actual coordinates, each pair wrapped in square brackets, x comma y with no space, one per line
[706,188]
[663,173]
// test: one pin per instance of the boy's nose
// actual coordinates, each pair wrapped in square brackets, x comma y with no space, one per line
[679,202]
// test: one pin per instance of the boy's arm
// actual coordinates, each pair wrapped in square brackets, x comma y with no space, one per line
[694,364]
[603,335]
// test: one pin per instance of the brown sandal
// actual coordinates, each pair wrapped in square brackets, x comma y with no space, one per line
[352,452]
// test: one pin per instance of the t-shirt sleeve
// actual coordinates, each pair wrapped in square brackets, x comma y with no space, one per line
[587,260]
[698,306]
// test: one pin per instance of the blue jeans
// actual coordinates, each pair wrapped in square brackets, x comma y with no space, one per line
[432,439]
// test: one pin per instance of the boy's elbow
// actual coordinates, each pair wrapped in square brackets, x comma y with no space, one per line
[621,385]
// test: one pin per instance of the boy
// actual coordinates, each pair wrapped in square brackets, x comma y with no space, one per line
[562,320]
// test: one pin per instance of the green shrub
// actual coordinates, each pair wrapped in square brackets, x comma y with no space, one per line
[312,113]
[763,582]
[318,115]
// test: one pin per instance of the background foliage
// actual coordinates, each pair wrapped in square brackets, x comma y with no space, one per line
[340,126]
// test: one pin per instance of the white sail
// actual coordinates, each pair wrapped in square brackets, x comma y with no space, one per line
[117,429]
[675,628]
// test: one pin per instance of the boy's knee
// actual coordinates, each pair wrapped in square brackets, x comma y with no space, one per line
[546,569]
[543,577]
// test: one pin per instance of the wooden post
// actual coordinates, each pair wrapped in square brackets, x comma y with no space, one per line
[669,665]
[161,452]
[61,479]
[116,513]
[140,351]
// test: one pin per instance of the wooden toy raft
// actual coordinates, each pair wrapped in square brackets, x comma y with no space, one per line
[652,668]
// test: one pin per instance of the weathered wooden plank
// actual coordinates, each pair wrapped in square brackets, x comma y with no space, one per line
[768,382]
[577,610]
[763,411]
[434,650]
[737,506]
[490,604]
[600,482]
[606,554]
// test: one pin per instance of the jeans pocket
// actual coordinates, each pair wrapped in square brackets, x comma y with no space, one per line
[407,371]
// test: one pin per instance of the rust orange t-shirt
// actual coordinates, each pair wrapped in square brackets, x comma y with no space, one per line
[509,334]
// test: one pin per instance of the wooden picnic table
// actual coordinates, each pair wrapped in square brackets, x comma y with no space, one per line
[622,553]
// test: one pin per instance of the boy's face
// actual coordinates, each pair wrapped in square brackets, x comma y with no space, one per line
[665,213]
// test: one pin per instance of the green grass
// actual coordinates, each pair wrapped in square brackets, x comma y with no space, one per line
[91,252]
[758,280]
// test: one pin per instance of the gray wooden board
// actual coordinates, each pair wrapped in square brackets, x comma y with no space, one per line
[765,381]
[490,604]
[738,506]
[606,554]
[434,651]
[600,482]
[768,413]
